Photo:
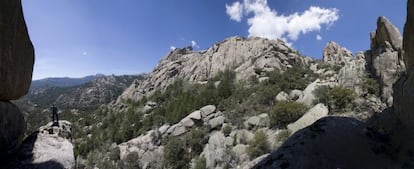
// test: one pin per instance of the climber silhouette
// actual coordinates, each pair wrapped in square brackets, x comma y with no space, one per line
[55,118]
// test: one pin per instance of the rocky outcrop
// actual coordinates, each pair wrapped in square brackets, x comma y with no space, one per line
[333,142]
[16,52]
[351,74]
[50,147]
[385,58]
[335,54]
[246,56]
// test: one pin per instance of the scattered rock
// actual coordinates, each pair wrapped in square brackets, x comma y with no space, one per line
[216,122]
[282,96]
[196,115]
[207,110]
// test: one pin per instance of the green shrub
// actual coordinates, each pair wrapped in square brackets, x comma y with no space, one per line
[370,86]
[195,140]
[226,130]
[200,163]
[338,98]
[286,112]
[283,135]
[175,154]
[259,145]
[131,161]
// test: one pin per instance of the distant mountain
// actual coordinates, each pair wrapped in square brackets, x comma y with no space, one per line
[63,81]
[87,92]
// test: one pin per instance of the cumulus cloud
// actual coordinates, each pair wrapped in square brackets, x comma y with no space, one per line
[235,11]
[172,48]
[318,37]
[266,22]
[194,44]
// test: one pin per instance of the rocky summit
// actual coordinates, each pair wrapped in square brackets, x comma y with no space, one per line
[246,56]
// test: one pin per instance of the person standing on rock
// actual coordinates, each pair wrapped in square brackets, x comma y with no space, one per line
[55,118]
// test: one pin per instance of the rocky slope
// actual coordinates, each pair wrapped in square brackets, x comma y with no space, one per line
[246,56]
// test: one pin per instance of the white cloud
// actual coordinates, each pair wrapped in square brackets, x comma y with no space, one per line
[267,23]
[318,37]
[194,44]
[235,11]
[172,48]
[84,53]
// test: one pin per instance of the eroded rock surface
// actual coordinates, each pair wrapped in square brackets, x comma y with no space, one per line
[16,52]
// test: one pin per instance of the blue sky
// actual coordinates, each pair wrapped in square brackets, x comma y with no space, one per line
[75,38]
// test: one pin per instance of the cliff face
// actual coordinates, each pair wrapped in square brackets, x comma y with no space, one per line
[404,89]
[246,56]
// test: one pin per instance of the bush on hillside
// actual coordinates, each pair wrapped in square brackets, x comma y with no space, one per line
[286,112]
[338,98]
[259,145]
[175,154]
[370,86]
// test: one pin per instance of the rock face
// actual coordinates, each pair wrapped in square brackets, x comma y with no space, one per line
[246,56]
[404,90]
[16,52]
[50,147]
[335,54]
[385,59]
[351,74]
[326,144]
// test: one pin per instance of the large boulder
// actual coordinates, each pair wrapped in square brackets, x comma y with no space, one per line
[12,128]
[333,142]
[16,52]
[50,147]
[385,58]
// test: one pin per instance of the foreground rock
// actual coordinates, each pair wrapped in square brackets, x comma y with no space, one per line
[332,142]
[16,52]
[49,148]
[12,128]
